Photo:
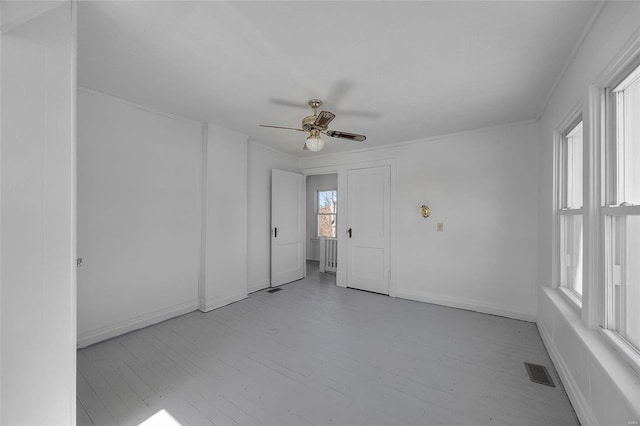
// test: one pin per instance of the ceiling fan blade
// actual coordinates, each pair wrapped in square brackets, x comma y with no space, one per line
[345,135]
[323,119]
[280,127]
[305,147]
[287,103]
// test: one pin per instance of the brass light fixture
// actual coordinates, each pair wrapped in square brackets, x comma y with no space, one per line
[314,141]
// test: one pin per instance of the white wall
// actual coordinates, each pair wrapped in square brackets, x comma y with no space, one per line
[602,388]
[314,184]
[224,278]
[37,208]
[483,186]
[139,216]
[261,161]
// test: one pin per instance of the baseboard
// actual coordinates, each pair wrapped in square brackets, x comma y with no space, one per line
[211,304]
[107,332]
[468,304]
[258,285]
[393,288]
[577,398]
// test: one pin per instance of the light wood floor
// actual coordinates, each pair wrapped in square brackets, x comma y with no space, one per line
[317,354]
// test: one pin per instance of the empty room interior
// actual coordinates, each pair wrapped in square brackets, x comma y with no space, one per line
[320,213]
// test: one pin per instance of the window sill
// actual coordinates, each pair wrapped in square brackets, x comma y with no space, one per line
[574,300]
[595,347]
[630,354]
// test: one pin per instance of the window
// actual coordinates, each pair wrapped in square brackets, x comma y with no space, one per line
[327,213]
[621,210]
[570,208]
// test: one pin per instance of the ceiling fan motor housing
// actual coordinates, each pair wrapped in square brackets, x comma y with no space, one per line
[307,122]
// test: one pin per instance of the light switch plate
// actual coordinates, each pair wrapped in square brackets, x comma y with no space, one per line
[440,227]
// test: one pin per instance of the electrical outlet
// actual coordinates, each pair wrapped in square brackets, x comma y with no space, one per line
[440,227]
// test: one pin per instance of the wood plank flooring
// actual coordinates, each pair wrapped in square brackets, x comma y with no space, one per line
[317,354]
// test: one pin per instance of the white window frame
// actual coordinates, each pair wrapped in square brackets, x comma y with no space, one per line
[317,209]
[602,108]
[560,211]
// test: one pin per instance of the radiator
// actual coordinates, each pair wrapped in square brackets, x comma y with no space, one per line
[328,254]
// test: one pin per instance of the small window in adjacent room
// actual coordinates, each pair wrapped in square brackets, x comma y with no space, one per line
[621,211]
[327,213]
[570,209]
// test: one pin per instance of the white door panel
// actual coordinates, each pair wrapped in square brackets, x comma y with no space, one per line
[368,220]
[287,227]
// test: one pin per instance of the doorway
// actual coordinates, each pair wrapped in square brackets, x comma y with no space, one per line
[322,221]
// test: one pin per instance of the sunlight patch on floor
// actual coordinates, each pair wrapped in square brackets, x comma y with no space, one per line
[161,418]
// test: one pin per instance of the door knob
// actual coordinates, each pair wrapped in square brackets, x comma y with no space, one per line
[79,262]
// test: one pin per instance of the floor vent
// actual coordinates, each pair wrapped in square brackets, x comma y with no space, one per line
[539,374]
[274,290]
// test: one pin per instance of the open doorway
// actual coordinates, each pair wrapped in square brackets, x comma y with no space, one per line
[322,222]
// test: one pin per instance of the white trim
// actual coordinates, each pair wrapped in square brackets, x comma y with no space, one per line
[218,302]
[112,330]
[577,398]
[572,298]
[625,59]
[621,210]
[258,285]
[467,304]
[592,226]
[574,51]
[202,270]
[394,245]
[630,355]
[72,352]
[570,212]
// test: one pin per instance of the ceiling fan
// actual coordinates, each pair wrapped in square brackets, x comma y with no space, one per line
[316,124]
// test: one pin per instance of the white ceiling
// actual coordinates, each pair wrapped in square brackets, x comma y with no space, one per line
[395,71]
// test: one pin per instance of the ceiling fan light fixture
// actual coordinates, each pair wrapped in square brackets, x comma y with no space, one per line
[314,142]
[318,123]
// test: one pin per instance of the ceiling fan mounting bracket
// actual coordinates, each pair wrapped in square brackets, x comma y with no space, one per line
[315,103]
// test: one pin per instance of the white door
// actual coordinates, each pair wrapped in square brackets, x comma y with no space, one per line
[368,229]
[287,227]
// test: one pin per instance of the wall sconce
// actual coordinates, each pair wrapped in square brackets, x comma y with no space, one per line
[426,211]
